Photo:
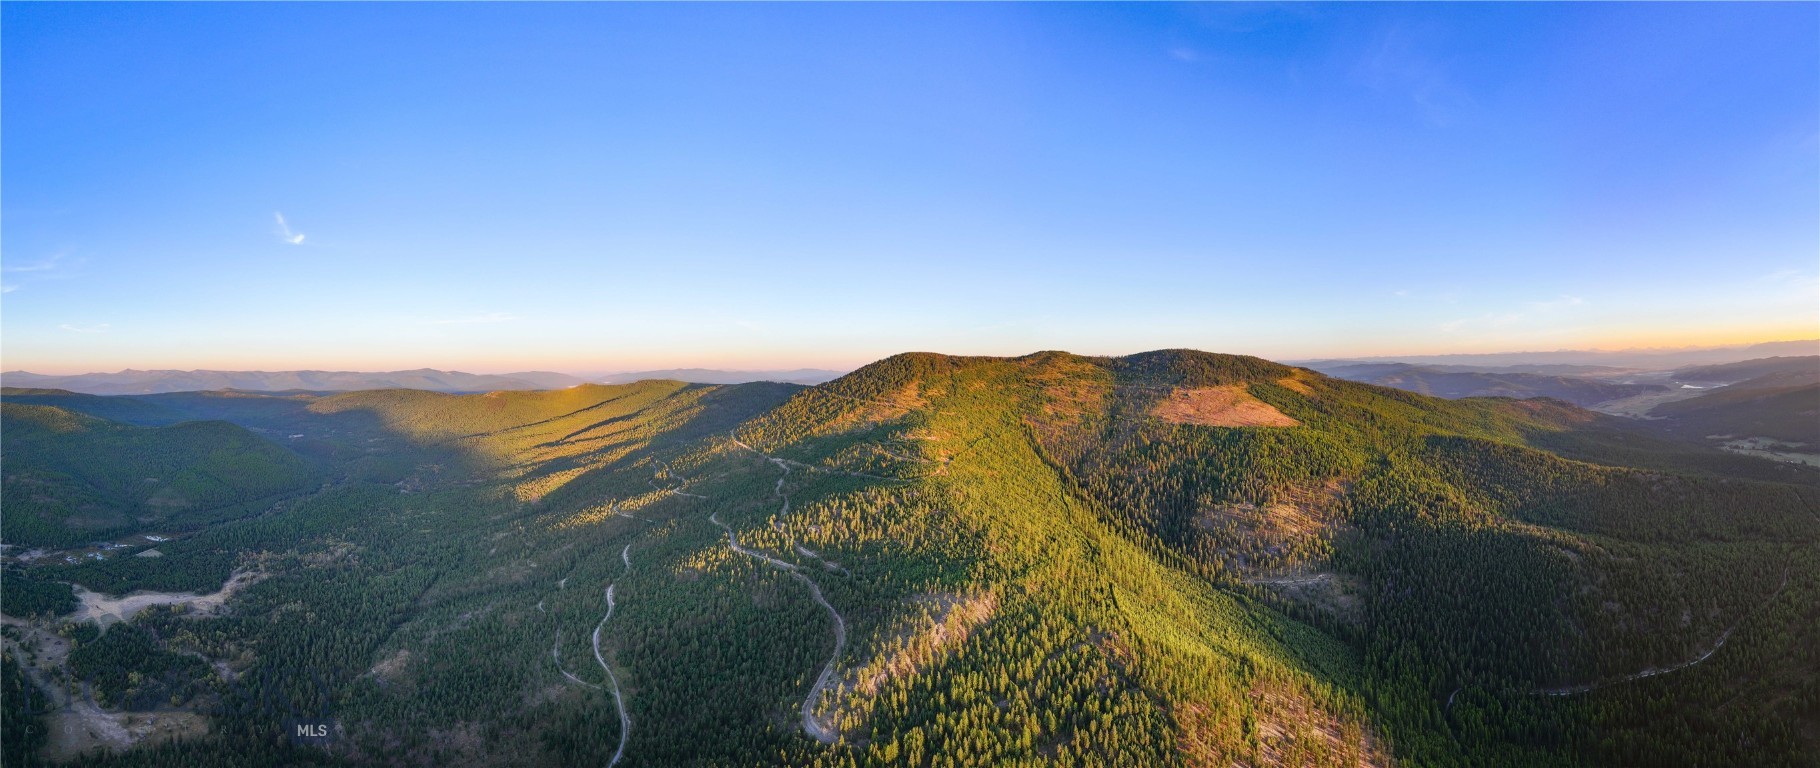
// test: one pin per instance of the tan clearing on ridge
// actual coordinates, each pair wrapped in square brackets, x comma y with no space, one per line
[1297,382]
[1228,406]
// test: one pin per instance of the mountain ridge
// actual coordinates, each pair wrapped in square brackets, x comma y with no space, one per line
[144,382]
[1167,558]
[1644,357]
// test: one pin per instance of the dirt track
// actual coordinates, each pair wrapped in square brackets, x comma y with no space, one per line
[625,719]
[821,732]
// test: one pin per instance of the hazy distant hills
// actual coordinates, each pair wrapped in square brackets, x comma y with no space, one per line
[1788,416]
[1808,365]
[1739,404]
[1457,382]
[1782,404]
[1564,375]
[1646,359]
[1634,388]
[132,382]
[1358,370]
[713,376]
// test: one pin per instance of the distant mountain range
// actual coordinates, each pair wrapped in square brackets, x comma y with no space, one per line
[1806,366]
[134,382]
[1575,376]
[1738,404]
[1462,381]
[713,376]
[1638,359]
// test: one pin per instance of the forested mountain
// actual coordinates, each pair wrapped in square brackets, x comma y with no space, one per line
[73,478]
[131,382]
[1172,558]
[712,376]
[1807,367]
[127,410]
[1441,382]
[1782,405]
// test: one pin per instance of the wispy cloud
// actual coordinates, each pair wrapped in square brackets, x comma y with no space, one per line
[96,328]
[58,266]
[42,265]
[489,317]
[1184,54]
[285,233]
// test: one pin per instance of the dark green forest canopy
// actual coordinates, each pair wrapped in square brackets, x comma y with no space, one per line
[1166,558]
[72,478]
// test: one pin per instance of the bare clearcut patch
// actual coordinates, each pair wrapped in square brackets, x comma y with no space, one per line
[1228,406]
[1292,727]
[1297,382]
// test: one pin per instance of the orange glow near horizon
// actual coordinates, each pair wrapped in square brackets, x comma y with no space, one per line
[1667,340]
[1663,341]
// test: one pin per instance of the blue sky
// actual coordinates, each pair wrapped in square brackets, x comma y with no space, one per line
[591,187]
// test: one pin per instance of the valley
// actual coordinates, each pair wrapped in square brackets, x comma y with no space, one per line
[909,385]
[1172,558]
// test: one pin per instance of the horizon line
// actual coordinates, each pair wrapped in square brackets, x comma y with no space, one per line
[497,370]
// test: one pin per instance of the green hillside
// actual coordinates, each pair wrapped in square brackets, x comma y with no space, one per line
[1783,406]
[72,478]
[1173,558]
[122,409]
[1433,533]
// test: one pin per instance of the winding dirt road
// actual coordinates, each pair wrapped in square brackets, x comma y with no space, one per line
[820,731]
[619,702]
[625,719]
[1654,671]
[556,656]
[789,464]
[1571,690]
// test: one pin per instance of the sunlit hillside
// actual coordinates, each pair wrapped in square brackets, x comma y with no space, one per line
[1166,558]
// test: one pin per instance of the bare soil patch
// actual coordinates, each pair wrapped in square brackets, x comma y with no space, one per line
[950,620]
[861,413]
[1330,592]
[1293,729]
[105,610]
[1228,406]
[77,726]
[82,728]
[1265,536]
[392,668]
[1297,382]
